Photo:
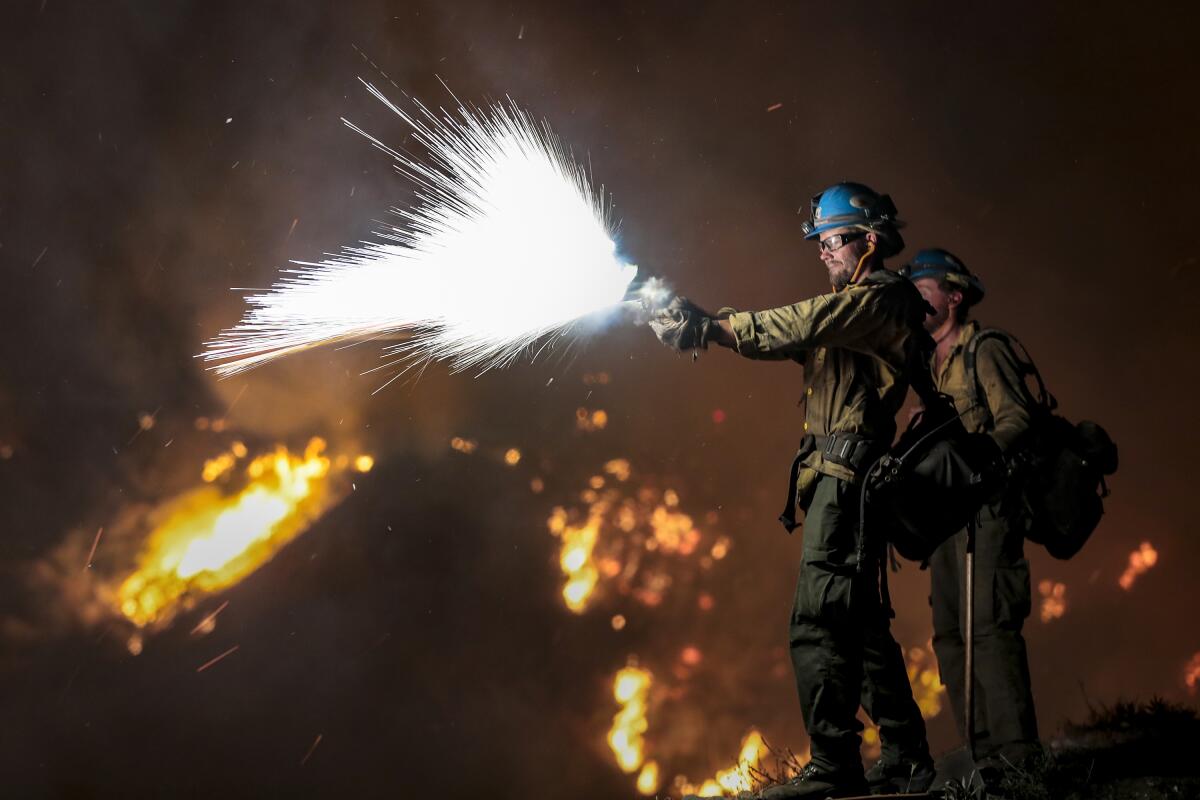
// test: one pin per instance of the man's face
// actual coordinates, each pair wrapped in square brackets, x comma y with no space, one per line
[842,260]
[943,302]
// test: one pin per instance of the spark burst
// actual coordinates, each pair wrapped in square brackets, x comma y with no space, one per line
[509,245]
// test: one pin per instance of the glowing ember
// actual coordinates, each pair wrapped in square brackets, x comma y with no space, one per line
[1054,599]
[463,445]
[1191,674]
[207,540]
[512,457]
[619,468]
[612,538]
[1140,561]
[591,421]
[630,688]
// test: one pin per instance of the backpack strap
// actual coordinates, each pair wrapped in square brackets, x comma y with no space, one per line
[1043,399]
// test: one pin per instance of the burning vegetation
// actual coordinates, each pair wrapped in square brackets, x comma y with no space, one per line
[214,536]
[156,561]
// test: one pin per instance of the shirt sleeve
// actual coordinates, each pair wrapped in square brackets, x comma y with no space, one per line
[1003,384]
[828,320]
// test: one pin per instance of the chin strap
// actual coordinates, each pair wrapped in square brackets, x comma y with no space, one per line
[858,269]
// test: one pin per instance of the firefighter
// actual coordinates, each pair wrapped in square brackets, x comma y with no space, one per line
[859,346]
[993,399]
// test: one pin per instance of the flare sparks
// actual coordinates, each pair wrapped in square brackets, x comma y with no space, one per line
[509,245]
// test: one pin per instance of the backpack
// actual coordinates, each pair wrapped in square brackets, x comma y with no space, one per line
[932,482]
[1056,474]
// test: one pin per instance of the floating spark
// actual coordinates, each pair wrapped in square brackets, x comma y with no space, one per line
[508,245]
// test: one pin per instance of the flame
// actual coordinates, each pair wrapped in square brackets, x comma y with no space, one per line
[626,738]
[208,541]
[1191,674]
[647,780]
[630,687]
[576,557]
[1140,560]
[738,778]
[1054,599]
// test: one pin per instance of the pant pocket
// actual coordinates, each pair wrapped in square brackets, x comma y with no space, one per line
[822,595]
[1012,595]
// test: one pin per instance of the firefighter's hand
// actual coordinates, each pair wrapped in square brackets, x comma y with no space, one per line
[683,325]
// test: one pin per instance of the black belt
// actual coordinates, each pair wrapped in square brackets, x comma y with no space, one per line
[848,450]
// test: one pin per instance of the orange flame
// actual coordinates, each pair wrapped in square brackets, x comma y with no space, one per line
[647,780]
[207,540]
[739,777]
[630,688]
[1140,561]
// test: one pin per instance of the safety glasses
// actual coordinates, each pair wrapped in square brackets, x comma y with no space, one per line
[840,240]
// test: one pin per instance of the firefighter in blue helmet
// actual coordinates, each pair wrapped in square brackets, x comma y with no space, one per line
[859,346]
[984,376]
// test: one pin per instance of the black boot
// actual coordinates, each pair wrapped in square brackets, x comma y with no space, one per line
[814,783]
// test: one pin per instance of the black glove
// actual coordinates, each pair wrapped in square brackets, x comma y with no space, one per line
[682,325]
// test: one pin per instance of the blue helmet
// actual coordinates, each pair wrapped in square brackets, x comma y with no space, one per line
[858,206]
[944,265]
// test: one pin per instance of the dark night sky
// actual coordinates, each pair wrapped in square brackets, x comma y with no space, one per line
[1054,149]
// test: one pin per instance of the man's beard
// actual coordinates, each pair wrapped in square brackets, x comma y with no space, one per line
[839,275]
[935,321]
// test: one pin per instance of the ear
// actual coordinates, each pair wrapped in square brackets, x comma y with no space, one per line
[872,237]
[954,298]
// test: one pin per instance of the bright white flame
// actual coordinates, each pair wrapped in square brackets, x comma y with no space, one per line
[508,244]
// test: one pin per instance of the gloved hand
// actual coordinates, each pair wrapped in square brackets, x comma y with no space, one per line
[683,325]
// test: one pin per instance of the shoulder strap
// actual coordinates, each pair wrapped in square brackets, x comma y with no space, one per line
[1024,361]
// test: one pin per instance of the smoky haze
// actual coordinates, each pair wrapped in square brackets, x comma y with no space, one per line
[160,153]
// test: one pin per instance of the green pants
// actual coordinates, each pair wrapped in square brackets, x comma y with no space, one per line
[841,643]
[1005,723]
